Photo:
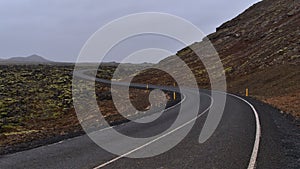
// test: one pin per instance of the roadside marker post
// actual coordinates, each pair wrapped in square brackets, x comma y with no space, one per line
[174,93]
[247,92]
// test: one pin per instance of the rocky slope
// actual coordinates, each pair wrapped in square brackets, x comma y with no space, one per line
[259,49]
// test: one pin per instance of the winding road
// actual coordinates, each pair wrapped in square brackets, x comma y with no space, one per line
[236,143]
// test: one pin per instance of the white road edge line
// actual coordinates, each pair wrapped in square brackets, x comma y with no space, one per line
[254,154]
[158,138]
[252,162]
[111,127]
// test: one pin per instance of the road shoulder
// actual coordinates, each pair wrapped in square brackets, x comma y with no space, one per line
[280,138]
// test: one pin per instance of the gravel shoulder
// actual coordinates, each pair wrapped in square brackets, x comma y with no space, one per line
[283,136]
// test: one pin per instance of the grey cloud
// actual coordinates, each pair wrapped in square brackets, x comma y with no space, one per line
[58,29]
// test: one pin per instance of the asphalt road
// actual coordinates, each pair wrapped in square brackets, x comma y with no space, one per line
[236,143]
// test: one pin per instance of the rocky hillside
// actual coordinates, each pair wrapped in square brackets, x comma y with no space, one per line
[259,49]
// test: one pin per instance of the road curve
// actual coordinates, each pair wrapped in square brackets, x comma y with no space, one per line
[231,146]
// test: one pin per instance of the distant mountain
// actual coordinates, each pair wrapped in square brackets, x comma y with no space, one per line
[34,59]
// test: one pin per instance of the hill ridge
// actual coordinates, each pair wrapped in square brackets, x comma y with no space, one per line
[34,58]
[259,49]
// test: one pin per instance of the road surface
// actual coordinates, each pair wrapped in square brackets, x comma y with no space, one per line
[236,143]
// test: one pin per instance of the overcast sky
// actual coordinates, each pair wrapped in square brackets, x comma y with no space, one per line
[57,29]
